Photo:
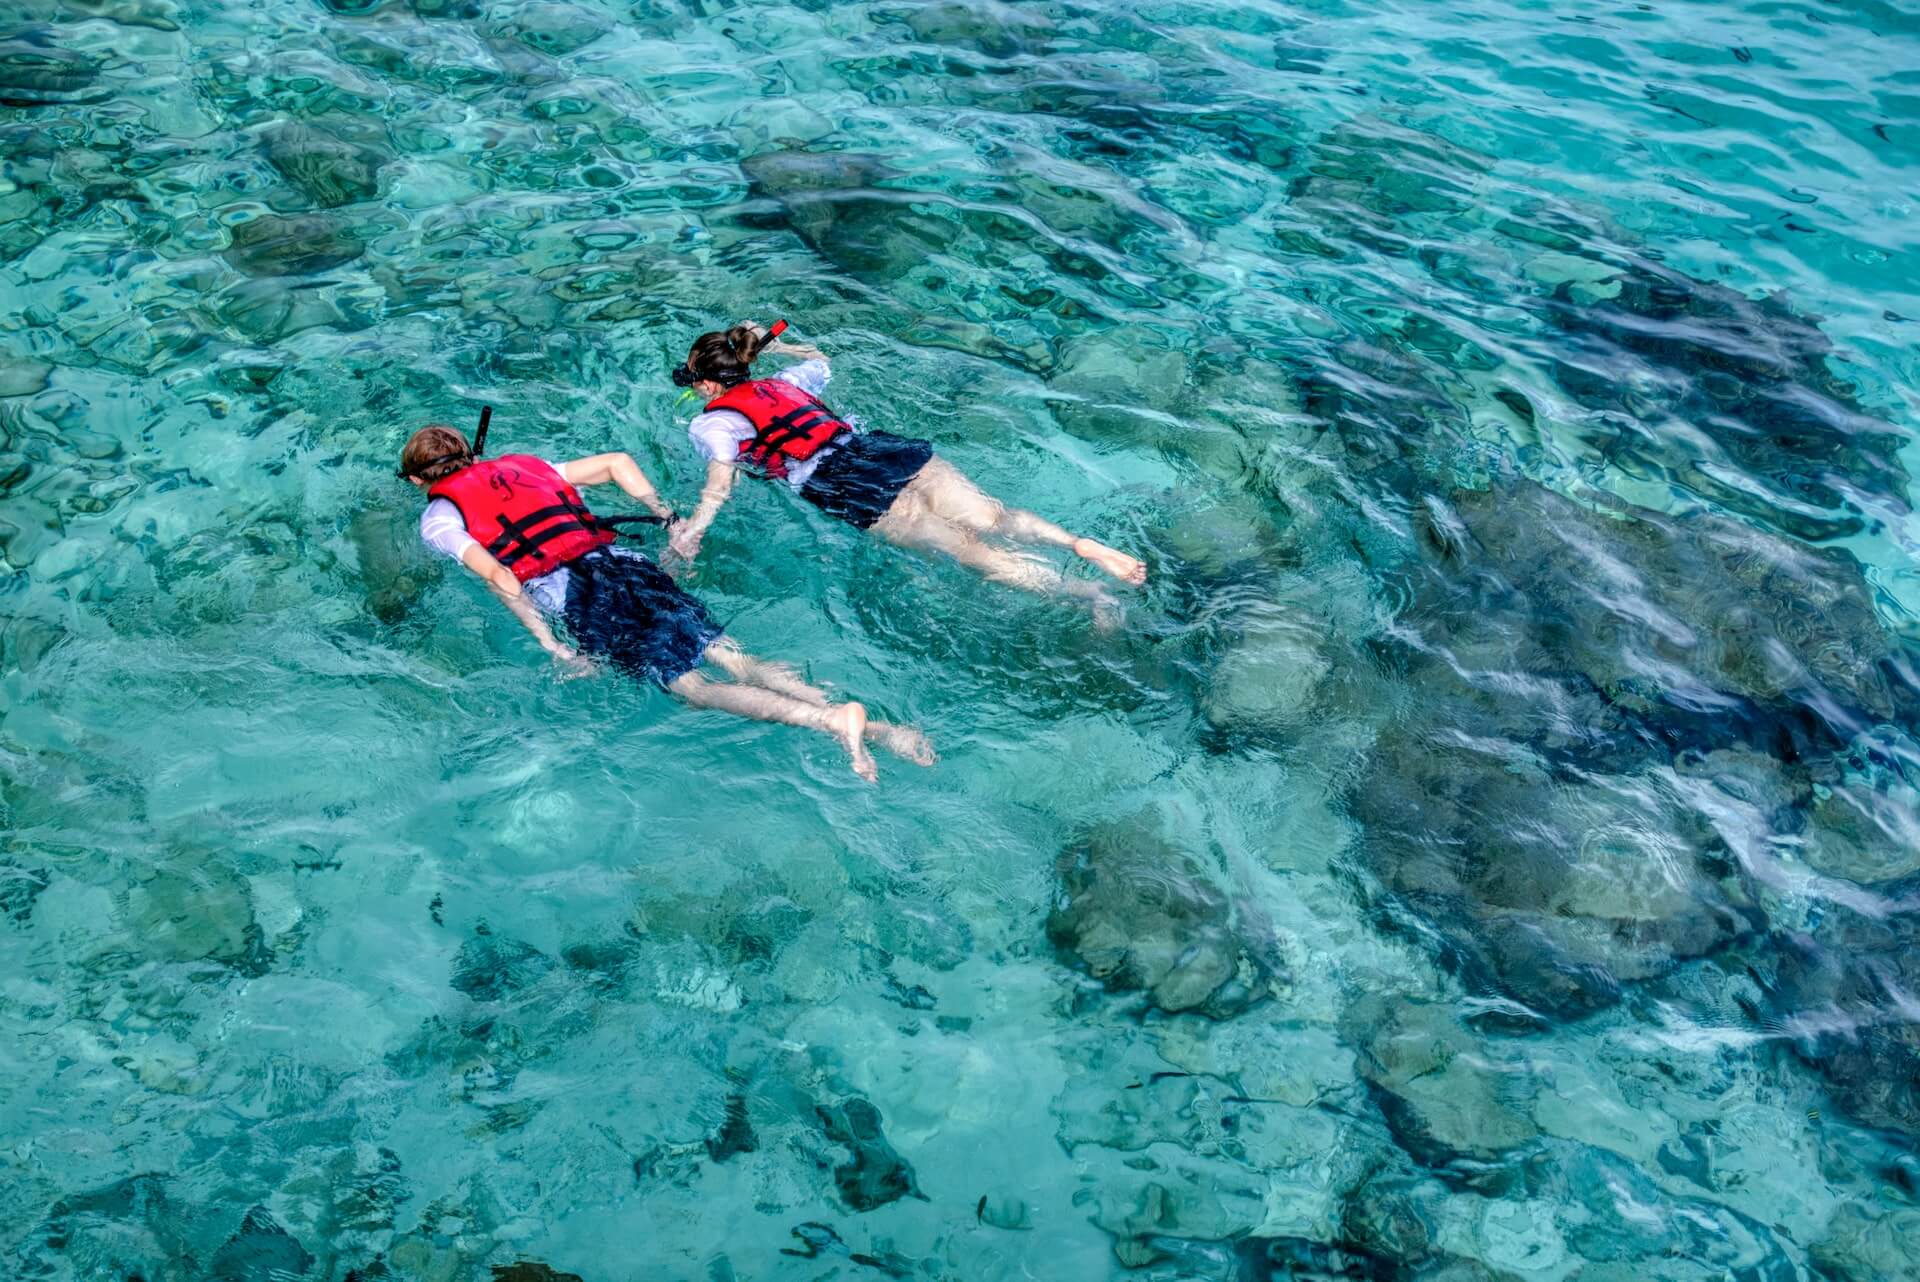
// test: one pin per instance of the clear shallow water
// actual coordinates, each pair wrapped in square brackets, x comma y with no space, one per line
[1486,853]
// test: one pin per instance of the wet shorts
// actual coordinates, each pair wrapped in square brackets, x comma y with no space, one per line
[623,608]
[859,481]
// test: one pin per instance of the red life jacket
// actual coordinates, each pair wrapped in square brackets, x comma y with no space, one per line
[789,425]
[519,509]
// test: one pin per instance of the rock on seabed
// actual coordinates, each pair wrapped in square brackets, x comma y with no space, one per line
[1142,915]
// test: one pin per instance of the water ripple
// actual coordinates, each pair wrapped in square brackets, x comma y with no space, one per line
[1485,849]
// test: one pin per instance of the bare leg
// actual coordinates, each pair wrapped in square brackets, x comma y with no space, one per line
[909,743]
[778,677]
[945,491]
[902,741]
[909,523]
[846,722]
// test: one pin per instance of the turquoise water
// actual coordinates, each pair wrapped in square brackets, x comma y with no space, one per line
[1487,851]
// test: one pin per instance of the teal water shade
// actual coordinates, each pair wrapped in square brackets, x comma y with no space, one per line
[1483,850]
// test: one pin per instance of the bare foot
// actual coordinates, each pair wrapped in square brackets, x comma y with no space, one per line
[1108,614]
[906,742]
[1125,568]
[848,722]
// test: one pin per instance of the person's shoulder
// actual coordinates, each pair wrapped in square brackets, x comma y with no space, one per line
[716,421]
[443,528]
[716,434]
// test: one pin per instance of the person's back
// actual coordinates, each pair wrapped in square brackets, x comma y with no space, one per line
[523,512]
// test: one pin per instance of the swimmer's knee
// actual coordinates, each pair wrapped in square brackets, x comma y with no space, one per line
[727,656]
[1015,520]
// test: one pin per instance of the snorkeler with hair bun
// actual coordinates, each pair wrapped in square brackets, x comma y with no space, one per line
[897,488]
[519,523]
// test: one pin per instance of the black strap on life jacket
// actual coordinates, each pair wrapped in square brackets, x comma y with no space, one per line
[518,540]
[793,425]
[636,518]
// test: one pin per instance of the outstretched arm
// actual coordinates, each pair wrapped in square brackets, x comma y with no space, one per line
[805,351]
[598,469]
[781,347]
[685,542]
[500,581]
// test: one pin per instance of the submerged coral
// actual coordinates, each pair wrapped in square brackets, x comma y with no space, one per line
[1758,382]
[1564,653]
[490,967]
[1140,914]
[36,70]
[1840,991]
[291,245]
[875,1174]
[331,164]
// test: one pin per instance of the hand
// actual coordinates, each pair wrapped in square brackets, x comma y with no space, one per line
[573,664]
[684,541]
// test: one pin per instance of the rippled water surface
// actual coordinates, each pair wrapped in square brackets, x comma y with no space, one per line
[1488,850]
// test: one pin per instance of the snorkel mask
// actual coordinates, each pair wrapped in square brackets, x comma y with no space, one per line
[683,375]
[479,447]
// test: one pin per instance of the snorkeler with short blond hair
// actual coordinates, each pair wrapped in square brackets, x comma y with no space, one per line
[897,488]
[518,522]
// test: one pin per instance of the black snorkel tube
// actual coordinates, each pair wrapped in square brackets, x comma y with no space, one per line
[479,444]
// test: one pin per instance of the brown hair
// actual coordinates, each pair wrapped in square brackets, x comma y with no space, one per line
[435,452]
[724,357]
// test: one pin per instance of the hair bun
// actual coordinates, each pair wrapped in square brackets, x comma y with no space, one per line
[745,342]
